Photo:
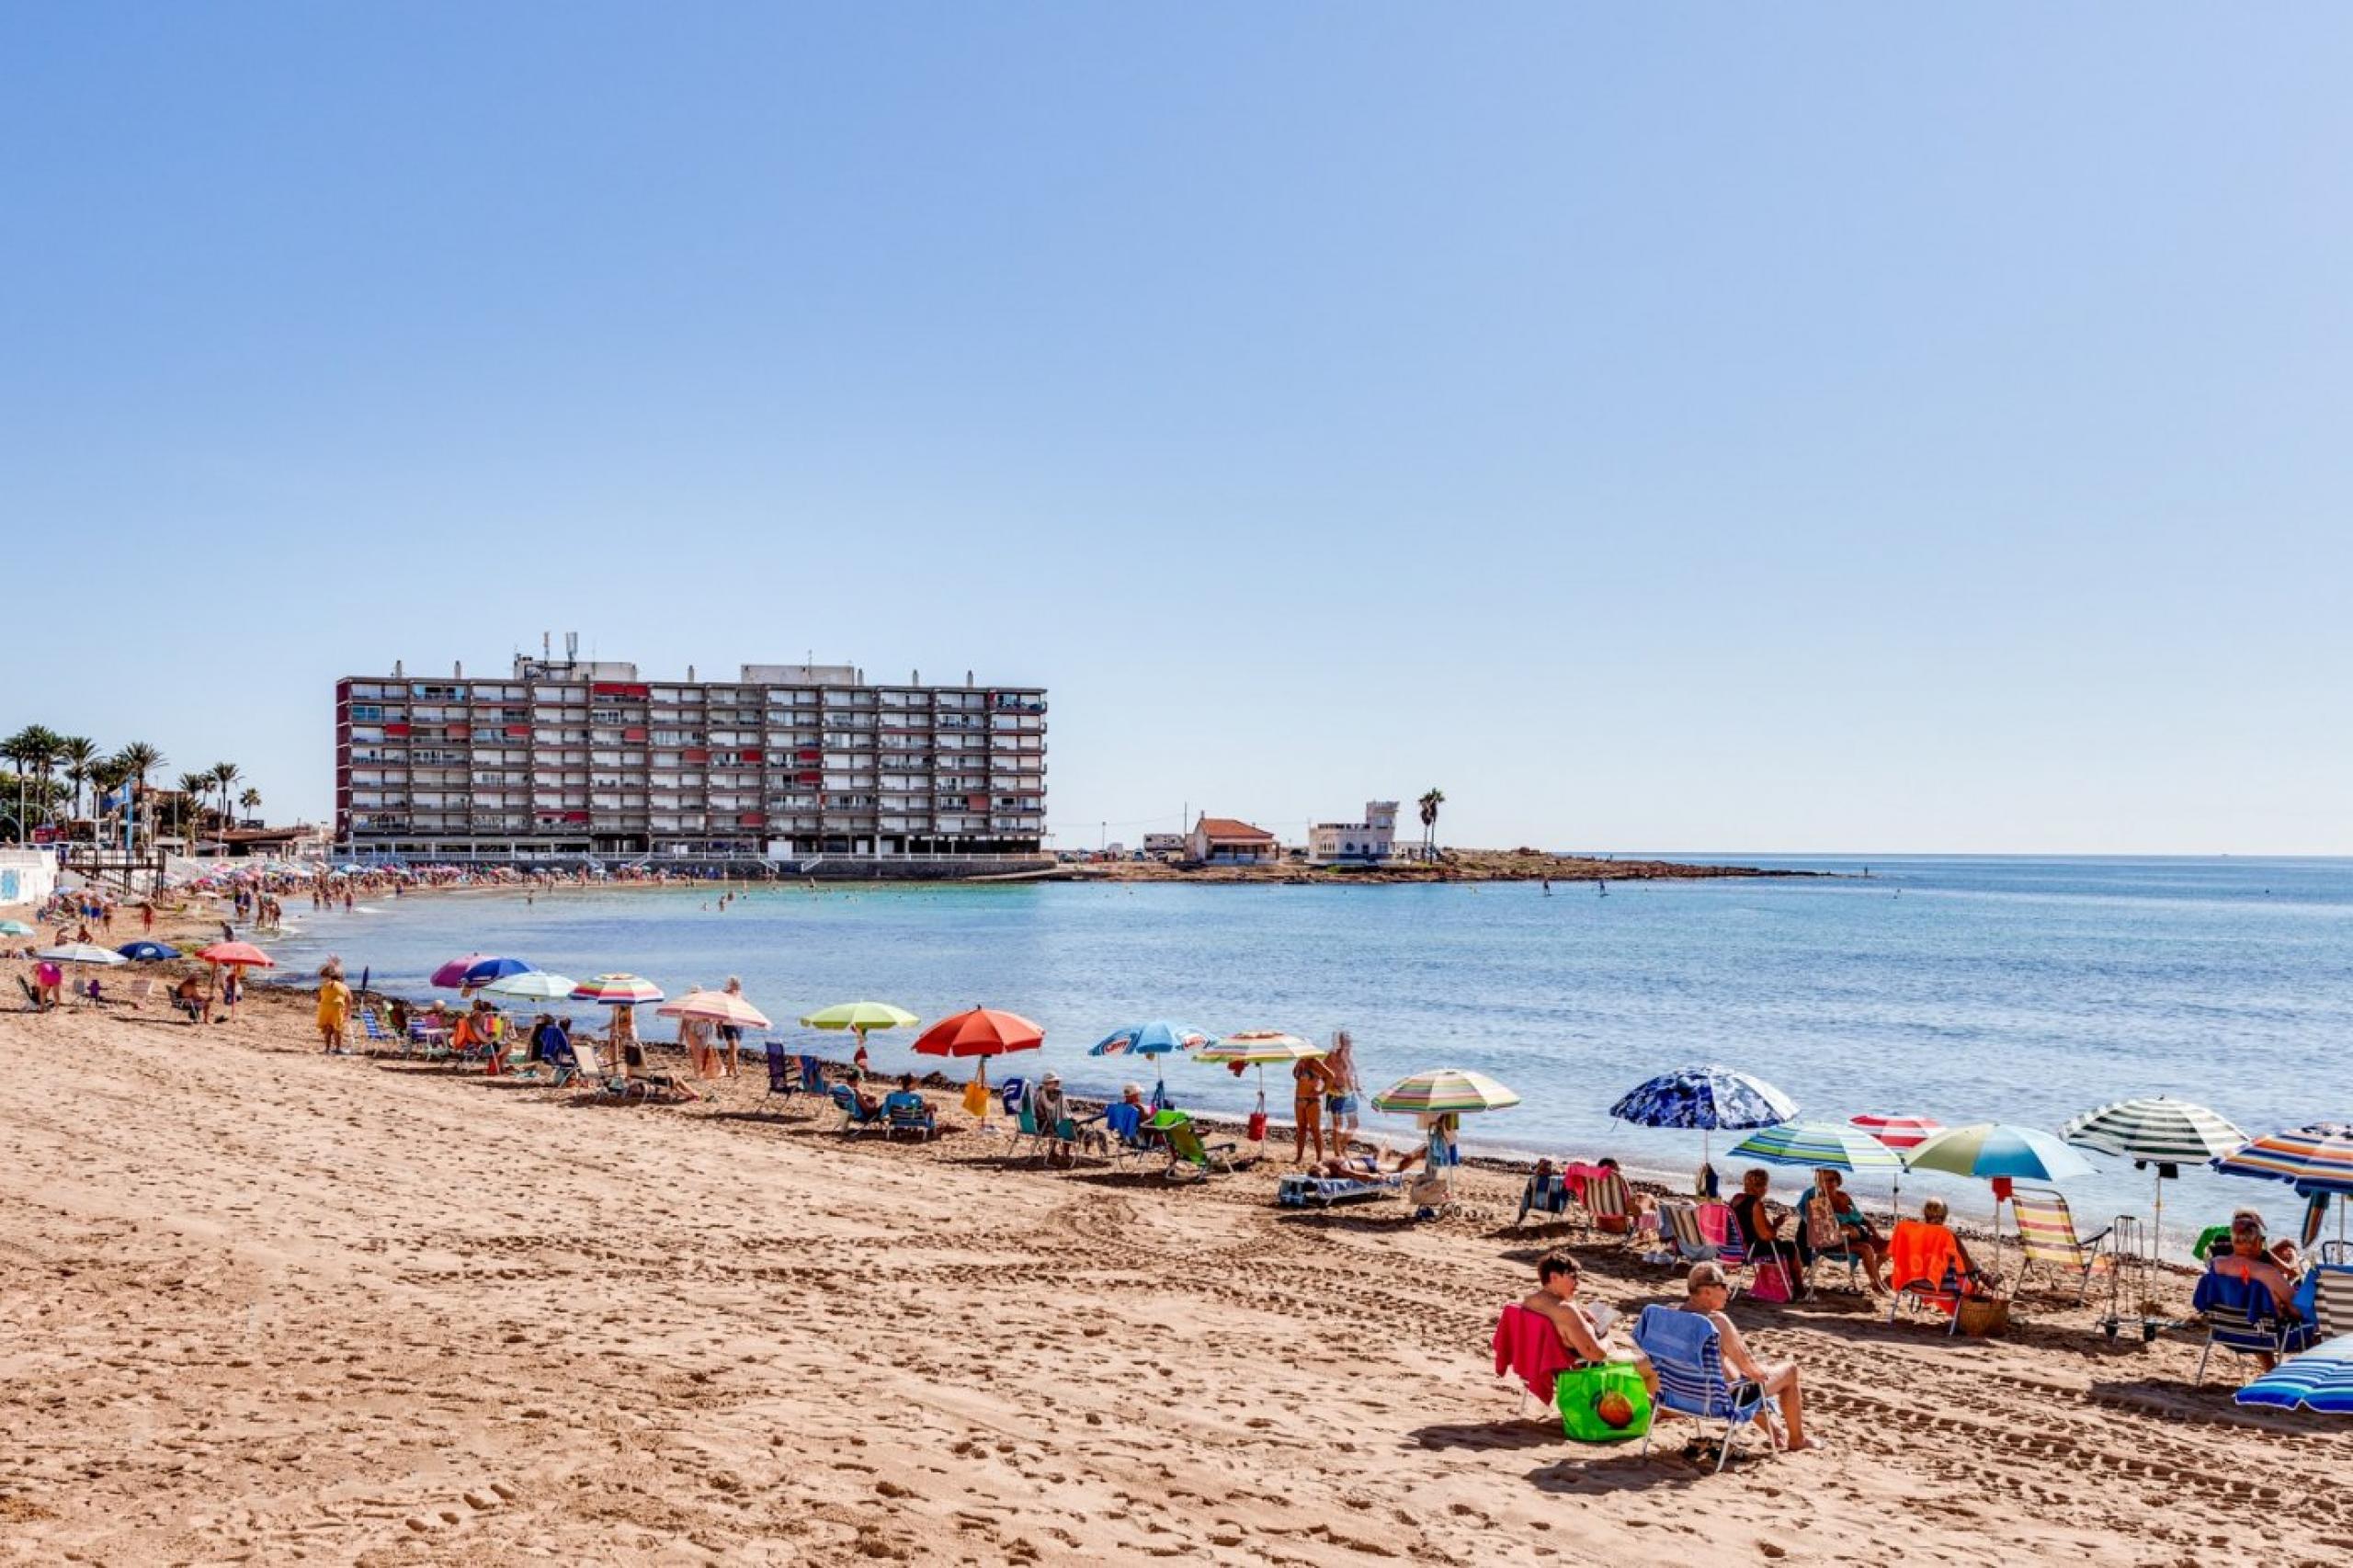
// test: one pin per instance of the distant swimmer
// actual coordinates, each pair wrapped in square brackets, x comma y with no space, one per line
[1547,887]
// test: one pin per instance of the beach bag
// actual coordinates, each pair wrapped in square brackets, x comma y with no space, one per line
[1258,1127]
[1607,1403]
[1768,1278]
[976,1099]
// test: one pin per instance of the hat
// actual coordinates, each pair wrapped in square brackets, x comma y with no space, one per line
[1051,1077]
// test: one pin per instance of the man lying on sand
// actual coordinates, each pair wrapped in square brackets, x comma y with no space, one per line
[1370,1167]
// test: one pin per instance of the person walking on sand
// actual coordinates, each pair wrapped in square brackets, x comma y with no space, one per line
[147,918]
[730,1035]
[334,1007]
[1706,1292]
[1308,1082]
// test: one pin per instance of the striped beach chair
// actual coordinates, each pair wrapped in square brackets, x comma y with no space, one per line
[1682,1233]
[1687,1351]
[2328,1295]
[1610,1205]
[2047,1234]
[2241,1317]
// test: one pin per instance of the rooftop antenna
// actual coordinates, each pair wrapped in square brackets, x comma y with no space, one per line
[571,647]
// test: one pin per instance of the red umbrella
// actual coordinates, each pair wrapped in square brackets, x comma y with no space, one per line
[244,954]
[984,1032]
[1899,1132]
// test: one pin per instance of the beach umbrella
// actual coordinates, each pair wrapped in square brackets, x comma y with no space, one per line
[14,929]
[1899,1132]
[79,952]
[476,969]
[1257,1048]
[1445,1091]
[860,1018]
[2155,1131]
[1707,1099]
[980,1033]
[1825,1145]
[1999,1152]
[532,985]
[148,952]
[617,990]
[719,1006]
[2316,1158]
[1154,1039]
[2321,1379]
[237,955]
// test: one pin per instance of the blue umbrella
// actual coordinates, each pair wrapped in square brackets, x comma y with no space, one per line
[488,970]
[1707,1099]
[1156,1038]
[2321,1379]
[148,951]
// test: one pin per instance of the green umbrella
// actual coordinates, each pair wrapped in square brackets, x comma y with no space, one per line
[14,929]
[859,1018]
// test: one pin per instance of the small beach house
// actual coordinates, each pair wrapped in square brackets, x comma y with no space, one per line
[1226,841]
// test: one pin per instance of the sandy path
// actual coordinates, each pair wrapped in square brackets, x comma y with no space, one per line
[271,1307]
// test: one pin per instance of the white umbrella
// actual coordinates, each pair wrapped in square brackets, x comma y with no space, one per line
[80,952]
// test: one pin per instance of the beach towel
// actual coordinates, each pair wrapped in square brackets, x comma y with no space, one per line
[1529,1346]
[1925,1259]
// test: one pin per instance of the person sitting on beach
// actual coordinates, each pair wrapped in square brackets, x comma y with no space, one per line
[1706,1291]
[2250,1259]
[1761,1225]
[870,1105]
[906,1096]
[1936,1215]
[399,1013]
[1048,1111]
[1583,1334]
[48,978]
[188,997]
[1842,1219]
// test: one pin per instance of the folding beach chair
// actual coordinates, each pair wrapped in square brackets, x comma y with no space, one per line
[2241,1316]
[1738,1253]
[1826,1239]
[1687,1351]
[909,1116]
[1680,1225]
[1610,1205]
[2330,1286]
[2047,1233]
[1188,1157]
[376,1032]
[813,1075]
[1924,1271]
[855,1118]
[1026,1129]
[1124,1133]
[1546,1192]
[784,1075]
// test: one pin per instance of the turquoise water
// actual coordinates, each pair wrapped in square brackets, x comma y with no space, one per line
[1961,988]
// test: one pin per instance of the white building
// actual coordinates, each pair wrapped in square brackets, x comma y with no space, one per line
[1369,843]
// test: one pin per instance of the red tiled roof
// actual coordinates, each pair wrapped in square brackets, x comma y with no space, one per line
[1229,828]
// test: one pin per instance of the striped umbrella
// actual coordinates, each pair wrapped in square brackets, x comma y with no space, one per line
[1989,1150]
[2318,1158]
[617,990]
[2155,1131]
[1899,1132]
[1257,1048]
[2321,1379]
[1445,1091]
[1821,1144]
[533,985]
[719,1006]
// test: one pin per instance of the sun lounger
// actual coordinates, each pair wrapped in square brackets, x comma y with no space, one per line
[2047,1231]
[1687,1351]
[909,1116]
[855,1117]
[1188,1157]
[1300,1190]
[2241,1316]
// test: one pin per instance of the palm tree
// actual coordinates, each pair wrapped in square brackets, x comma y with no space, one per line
[78,753]
[1429,804]
[250,800]
[43,761]
[193,788]
[224,774]
[20,749]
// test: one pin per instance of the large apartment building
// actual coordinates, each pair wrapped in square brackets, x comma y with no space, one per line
[573,759]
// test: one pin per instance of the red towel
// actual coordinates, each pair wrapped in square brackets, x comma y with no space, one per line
[1528,1345]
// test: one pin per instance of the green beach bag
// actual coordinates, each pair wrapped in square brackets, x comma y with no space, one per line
[1588,1396]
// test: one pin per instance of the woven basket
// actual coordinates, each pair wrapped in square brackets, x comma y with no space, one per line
[1984,1316]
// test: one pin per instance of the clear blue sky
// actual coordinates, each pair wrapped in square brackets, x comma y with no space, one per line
[1703,427]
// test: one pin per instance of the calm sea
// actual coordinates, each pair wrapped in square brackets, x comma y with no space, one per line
[1962,988]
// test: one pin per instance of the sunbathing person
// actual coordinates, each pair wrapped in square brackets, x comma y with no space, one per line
[1582,1333]
[1371,1166]
[1705,1292]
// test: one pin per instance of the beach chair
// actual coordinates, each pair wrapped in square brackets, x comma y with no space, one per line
[1924,1271]
[784,1073]
[2329,1286]
[1680,1229]
[1610,1205]
[373,1028]
[1826,1239]
[560,1067]
[1546,1192]
[32,995]
[2047,1233]
[813,1075]
[432,1039]
[2241,1316]
[1687,1351]
[1737,1251]
[855,1118]
[1124,1134]
[1188,1157]
[1025,1129]
[909,1115]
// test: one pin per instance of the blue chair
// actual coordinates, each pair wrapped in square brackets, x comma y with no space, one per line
[854,1117]
[812,1076]
[784,1076]
[909,1115]
[1123,1130]
[1687,1351]
[2241,1316]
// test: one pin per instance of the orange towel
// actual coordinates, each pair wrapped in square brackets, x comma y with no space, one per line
[1924,1256]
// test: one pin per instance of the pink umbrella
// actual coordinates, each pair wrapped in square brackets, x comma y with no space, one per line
[719,1006]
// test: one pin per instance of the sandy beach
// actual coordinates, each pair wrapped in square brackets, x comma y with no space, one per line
[271,1306]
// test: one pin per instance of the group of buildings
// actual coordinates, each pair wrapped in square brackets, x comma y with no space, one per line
[1228,841]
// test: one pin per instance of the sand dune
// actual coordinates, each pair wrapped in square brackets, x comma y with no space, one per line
[274,1307]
